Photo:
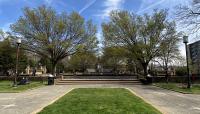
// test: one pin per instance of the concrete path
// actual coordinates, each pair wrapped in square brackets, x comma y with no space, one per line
[33,100]
[168,101]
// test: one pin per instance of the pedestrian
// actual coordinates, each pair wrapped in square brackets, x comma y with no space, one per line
[34,72]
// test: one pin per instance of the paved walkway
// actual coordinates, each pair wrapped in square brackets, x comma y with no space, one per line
[33,100]
[168,101]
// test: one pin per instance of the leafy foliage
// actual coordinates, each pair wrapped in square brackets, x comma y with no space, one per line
[8,57]
[142,36]
[181,71]
[81,61]
[51,35]
[169,49]
[113,57]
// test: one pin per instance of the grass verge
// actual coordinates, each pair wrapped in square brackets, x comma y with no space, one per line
[179,87]
[6,86]
[100,101]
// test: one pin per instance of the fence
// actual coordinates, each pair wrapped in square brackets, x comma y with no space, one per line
[195,78]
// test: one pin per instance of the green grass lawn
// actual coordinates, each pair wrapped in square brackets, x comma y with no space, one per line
[100,101]
[6,86]
[195,89]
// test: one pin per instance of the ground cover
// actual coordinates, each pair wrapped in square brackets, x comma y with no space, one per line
[6,86]
[100,101]
[179,87]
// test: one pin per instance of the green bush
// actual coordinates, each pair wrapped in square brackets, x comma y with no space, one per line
[181,71]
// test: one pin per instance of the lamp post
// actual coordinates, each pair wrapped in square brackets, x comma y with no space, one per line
[17,60]
[185,40]
[34,69]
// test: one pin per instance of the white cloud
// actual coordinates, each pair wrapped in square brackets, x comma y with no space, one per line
[6,27]
[65,4]
[110,5]
[48,2]
[99,36]
[147,5]
[87,6]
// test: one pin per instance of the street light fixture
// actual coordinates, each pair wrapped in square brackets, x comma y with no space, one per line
[185,40]
[17,60]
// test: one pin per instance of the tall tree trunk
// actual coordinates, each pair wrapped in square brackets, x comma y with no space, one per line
[53,71]
[115,69]
[144,65]
[166,74]
[166,71]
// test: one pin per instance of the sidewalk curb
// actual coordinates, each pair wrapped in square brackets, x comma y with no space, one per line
[155,106]
[40,109]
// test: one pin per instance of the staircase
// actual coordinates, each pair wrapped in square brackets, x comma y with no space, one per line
[97,81]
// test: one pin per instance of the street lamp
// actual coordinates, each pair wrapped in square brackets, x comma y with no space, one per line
[17,60]
[34,69]
[185,40]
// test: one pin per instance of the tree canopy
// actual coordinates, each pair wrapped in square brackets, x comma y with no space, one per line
[169,49]
[52,35]
[142,36]
[113,57]
[8,55]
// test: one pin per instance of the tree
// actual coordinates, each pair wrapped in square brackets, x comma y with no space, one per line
[189,15]
[113,57]
[85,57]
[2,34]
[51,35]
[82,60]
[181,71]
[8,56]
[141,35]
[169,50]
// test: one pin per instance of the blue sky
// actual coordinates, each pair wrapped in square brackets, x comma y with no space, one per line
[97,10]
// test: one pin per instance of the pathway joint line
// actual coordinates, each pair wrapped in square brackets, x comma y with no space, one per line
[155,106]
[40,109]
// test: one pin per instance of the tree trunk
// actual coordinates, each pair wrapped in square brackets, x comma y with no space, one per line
[53,71]
[115,69]
[144,65]
[166,75]
[84,67]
